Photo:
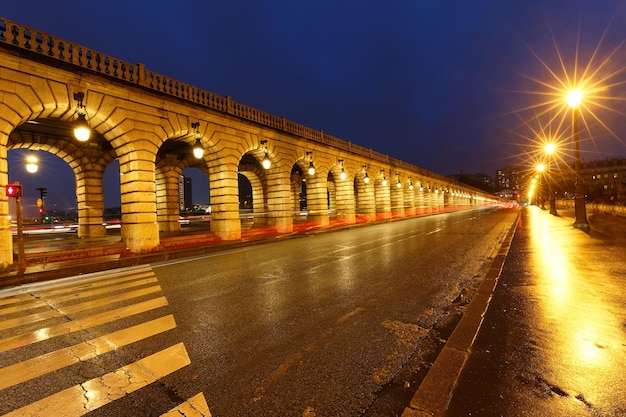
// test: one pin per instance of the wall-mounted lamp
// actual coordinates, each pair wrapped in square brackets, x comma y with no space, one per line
[398,183]
[32,162]
[410,184]
[366,178]
[82,131]
[267,164]
[309,155]
[384,179]
[343,174]
[198,150]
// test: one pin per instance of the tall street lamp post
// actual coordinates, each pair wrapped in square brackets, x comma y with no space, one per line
[540,177]
[574,98]
[549,151]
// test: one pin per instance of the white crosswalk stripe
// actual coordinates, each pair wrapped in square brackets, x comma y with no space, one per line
[74,323]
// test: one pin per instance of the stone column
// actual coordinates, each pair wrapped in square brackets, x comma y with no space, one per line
[295,184]
[140,231]
[421,204]
[409,200]
[168,209]
[259,208]
[344,201]
[331,189]
[383,199]
[365,200]
[429,192]
[279,206]
[317,199]
[224,189]
[397,199]
[6,237]
[90,201]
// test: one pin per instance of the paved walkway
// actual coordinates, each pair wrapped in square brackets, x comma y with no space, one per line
[553,340]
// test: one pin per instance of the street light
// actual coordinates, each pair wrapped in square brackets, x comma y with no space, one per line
[311,169]
[82,130]
[366,178]
[574,98]
[540,169]
[198,149]
[266,162]
[32,162]
[550,150]
[343,174]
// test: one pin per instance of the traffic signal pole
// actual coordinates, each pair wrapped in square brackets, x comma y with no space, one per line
[15,191]
[21,261]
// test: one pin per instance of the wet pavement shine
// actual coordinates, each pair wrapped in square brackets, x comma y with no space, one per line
[553,340]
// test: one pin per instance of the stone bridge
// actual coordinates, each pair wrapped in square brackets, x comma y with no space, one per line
[151,124]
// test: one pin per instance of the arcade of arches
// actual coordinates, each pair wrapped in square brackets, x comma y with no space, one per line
[151,133]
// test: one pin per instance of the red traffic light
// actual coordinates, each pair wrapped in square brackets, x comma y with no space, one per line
[14,190]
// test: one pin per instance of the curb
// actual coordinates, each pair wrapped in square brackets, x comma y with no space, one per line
[435,392]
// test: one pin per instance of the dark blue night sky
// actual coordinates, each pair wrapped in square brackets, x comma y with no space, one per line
[440,84]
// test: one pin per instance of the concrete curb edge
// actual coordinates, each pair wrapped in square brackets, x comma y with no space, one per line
[435,392]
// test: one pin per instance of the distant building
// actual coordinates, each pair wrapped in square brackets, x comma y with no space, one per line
[604,181]
[185,201]
[509,178]
[480,180]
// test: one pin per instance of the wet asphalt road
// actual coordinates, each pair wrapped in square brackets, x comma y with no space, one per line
[318,324]
[312,326]
[553,342]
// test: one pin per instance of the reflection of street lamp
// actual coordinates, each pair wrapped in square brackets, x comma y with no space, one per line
[550,150]
[574,97]
[540,200]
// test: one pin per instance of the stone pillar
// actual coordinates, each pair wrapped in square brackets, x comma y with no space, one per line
[383,199]
[439,198]
[420,204]
[168,209]
[397,199]
[365,200]
[224,189]
[90,201]
[344,201]
[295,183]
[317,199]
[140,231]
[6,237]
[331,192]
[429,192]
[259,208]
[279,206]
[409,200]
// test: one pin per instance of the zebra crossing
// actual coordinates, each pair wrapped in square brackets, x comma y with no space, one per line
[47,331]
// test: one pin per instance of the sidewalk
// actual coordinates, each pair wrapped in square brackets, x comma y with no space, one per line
[553,340]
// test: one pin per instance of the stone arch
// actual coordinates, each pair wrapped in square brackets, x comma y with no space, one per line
[250,167]
[88,161]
